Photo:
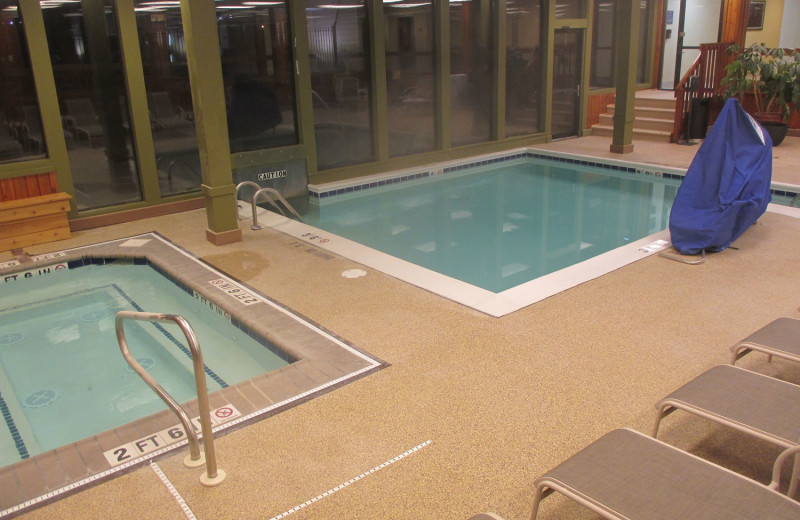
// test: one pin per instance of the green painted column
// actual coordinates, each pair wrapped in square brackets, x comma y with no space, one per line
[378,96]
[627,43]
[302,85]
[441,50]
[211,121]
[58,156]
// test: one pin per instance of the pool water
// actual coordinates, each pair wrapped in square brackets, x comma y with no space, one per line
[62,376]
[502,225]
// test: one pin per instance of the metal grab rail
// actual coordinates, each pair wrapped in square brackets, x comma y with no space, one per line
[213,476]
[276,194]
[273,195]
[236,193]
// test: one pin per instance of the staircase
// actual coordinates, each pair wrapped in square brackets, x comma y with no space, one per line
[654,115]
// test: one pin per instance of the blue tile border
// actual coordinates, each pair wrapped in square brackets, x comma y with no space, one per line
[160,328]
[19,442]
[647,170]
[487,162]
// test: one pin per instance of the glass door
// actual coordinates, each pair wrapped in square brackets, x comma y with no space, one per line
[567,67]
[86,56]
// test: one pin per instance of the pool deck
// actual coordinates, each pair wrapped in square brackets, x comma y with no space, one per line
[471,408]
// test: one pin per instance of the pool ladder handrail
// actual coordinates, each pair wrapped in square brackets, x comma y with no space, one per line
[213,475]
[236,194]
[273,196]
[272,193]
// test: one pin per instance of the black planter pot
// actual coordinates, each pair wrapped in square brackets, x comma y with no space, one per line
[777,131]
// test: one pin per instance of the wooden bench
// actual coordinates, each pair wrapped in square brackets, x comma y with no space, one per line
[32,212]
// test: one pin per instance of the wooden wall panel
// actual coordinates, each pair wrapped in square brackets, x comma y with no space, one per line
[28,186]
[598,104]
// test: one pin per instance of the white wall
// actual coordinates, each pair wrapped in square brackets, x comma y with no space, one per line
[670,47]
[790,30]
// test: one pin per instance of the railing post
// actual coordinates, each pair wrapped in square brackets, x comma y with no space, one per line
[213,476]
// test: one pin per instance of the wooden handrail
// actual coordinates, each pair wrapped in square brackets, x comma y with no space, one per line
[709,67]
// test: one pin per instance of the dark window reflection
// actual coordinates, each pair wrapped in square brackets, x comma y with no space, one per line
[523,66]
[604,43]
[471,70]
[21,134]
[340,81]
[169,97]
[257,66]
[644,41]
[570,9]
[409,76]
[90,83]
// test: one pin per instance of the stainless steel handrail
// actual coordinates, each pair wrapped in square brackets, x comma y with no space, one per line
[272,193]
[213,475]
[236,193]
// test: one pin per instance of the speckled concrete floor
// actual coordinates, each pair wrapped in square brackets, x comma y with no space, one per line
[500,400]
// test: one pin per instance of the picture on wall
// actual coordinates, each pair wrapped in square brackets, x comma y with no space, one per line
[755,18]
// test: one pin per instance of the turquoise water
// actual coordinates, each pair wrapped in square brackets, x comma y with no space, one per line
[62,376]
[499,226]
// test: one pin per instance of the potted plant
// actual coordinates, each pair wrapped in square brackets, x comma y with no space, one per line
[772,76]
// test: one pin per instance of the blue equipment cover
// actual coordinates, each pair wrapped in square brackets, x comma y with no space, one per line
[726,188]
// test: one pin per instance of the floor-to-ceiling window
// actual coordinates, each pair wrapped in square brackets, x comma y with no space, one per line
[169,96]
[524,78]
[604,43]
[87,64]
[569,9]
[258,71]
[603,48]
[21,134]
[472,49]
[410,73]
[643,59]
[340,81]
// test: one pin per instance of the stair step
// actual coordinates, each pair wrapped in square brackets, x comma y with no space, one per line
[648,135]
[655,103]
[654,112]
[643,123]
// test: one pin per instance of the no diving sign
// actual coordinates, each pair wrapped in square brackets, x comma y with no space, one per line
[156,441]
[224,413]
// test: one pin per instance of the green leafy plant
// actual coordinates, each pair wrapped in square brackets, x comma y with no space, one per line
[771,75]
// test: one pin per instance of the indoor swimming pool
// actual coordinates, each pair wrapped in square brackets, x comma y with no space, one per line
[500,225]
[498,232]
[62,376]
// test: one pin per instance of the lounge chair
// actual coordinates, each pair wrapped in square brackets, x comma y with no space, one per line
[761,406]
[82,119]
[420,95]
[32,126]
[626,475]
[163,115]
[779,338]
[9,146]
[349,93]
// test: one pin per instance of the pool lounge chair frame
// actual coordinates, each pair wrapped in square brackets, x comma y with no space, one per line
[780,338]
[626,475]
[746,401]
[82,119]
